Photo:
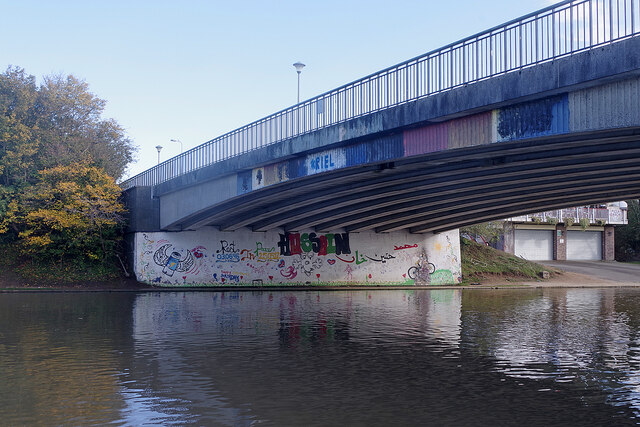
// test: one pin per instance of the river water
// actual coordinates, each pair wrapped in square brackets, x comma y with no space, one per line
[387,357]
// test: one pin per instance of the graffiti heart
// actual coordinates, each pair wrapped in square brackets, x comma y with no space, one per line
[198,251]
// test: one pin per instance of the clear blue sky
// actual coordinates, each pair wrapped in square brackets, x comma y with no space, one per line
[195,69]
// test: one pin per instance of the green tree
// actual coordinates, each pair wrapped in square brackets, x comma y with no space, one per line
[58,122]
[488,231]
[58,162]
[69,121]
[19,143]
[627,237]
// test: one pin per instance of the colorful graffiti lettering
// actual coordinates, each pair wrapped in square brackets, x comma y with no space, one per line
[383,258]
[348,261]
[230,276]
[322,163]
[273,257]
[247,255]
[266,254]
[227,257]
[227,248]
[296,243]
[399,248]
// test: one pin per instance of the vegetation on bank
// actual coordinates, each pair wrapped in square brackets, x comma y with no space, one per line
[21,270]
[60,213]
[480,262]
[627,237]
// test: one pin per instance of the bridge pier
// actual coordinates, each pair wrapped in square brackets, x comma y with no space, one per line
[209,257]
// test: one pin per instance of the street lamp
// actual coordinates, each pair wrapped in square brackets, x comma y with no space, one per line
[180,159]
[299,66]
[177,140]
[158,147]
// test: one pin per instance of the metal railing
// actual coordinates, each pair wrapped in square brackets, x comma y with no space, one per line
[559,30]
[610,215]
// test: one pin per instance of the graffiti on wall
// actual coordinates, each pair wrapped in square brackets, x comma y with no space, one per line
[325,161]
[174,261]
[322,244]
[284,258]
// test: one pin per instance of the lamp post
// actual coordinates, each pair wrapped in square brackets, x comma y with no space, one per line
[180,159]
[177,140]
[158,147]
[299,66]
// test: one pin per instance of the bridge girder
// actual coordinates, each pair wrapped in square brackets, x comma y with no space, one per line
[440,191]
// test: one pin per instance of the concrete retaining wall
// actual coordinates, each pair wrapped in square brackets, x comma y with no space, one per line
[215,258]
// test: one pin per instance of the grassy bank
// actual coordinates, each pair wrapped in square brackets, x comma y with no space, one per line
[22,271]
[480,262]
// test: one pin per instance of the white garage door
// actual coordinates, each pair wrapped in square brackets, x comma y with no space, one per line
[584,245]
[534,244]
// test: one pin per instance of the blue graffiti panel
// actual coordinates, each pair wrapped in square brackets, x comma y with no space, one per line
[297,168]
[375,150]
[543,117]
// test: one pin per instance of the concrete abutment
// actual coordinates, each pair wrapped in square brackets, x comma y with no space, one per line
[209,257]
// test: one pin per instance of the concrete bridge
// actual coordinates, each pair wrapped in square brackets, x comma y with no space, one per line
[540,113]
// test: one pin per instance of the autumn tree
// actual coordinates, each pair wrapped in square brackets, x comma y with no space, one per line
[19,142]
[59,160]
[72,212]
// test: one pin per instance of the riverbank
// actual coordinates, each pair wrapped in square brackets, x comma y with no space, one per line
[482,267]
[560,279]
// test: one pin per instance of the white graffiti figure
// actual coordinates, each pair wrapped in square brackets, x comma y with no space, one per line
[173,262]
[307,263]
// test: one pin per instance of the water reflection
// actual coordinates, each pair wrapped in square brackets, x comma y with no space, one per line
[549,356]
[59,357]
[283,357]
[587,339]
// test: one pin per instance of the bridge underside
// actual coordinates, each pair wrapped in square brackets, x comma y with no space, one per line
[445,190]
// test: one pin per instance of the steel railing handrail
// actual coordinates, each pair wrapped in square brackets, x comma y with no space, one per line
[610,215]
[540,36]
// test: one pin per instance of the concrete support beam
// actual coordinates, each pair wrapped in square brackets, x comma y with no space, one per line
[143,209]
[608,244]
[560,243]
